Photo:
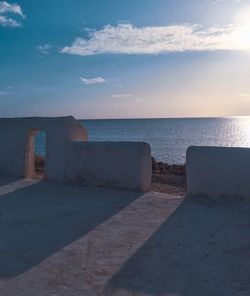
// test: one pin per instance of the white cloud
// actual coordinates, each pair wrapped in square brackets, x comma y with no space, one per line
[8,22]
[3,93]
[121,96]
[128,39]
[6,8]
[215,1]
[97,80]
[44,49]
[221,1]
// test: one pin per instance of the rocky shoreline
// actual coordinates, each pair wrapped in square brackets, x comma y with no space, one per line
[167,178]
[161,168]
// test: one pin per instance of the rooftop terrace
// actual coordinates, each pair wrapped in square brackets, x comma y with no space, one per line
[69,240]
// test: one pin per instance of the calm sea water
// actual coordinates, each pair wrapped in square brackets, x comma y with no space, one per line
[169,138]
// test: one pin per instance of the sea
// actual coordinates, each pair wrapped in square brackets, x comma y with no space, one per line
[169,138]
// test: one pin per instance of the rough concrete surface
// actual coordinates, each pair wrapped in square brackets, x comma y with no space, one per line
[218,171]
[68,240]
[70,158]
[119,165]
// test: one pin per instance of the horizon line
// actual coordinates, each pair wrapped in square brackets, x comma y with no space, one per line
[178,117]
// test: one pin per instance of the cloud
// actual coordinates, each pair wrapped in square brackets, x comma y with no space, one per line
[128,39]
[3,93]
[8,22]
[97,80]
[221,1]
[6,8]
[44,49]
[215,1]
[121,96]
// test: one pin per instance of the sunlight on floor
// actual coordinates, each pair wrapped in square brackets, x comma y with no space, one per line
[14,186]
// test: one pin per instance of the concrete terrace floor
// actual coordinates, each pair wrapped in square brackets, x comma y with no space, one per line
[59,240]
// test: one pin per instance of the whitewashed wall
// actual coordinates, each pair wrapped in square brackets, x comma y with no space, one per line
[124,165]
[14,137]
[218,172]
[70,158]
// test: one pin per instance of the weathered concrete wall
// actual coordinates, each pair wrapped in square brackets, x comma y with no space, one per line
[125,165]
[218,171]
[70,158]
[16,144]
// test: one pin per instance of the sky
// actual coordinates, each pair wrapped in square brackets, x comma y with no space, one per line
[125,59]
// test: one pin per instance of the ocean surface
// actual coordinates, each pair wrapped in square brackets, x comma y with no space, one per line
[170,138]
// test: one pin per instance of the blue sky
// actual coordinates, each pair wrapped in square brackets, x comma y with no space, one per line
[125,59]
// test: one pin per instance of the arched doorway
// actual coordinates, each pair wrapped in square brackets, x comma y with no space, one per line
[35,161]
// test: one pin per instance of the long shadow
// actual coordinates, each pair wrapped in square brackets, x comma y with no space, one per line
[7,181]
[203,249]
[39,220]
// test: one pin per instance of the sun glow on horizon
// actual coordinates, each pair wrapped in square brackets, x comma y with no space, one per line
[242,33]
[241,36]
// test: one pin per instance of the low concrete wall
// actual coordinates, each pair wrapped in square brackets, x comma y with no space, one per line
[70,158]
[124,165]
[218,172]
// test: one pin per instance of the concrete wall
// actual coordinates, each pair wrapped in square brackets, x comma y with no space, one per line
[218,171]
[16,144]
[125,165]
[70,158]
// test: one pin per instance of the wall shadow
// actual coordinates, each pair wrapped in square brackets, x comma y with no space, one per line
[8,181]
[202,249]
[39,220]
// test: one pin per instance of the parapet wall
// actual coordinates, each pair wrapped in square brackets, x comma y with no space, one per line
[70,158]
[17,149]
[218,172]
[124,165]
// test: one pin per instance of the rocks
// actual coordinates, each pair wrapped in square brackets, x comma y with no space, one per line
[39,164]
[170,179]
[160,168]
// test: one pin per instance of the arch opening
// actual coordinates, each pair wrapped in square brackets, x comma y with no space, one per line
[35,162]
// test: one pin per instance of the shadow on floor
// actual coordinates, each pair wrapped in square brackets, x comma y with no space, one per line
[202,249]
[39,220]
[7,181]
